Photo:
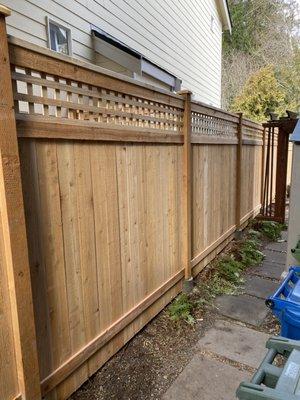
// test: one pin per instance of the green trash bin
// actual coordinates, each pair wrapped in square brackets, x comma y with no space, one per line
[273,382]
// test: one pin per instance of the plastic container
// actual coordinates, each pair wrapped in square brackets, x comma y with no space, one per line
[285,304]
[273,382]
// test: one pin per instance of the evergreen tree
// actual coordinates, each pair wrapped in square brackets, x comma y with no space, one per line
[265,32]
[261,93]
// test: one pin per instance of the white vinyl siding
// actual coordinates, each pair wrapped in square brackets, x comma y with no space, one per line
[174,34]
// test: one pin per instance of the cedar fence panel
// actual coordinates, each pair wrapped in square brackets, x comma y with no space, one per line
[114,182]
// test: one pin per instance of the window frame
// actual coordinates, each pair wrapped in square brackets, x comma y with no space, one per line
[49,22]
[130,59]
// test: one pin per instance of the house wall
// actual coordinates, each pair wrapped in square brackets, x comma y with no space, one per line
[175,35]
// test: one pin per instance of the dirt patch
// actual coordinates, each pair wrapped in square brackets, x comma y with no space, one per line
[271,325]
[149,363]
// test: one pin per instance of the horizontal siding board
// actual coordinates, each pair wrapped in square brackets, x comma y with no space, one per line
[151,30]
[175,35]
[17,32]
[134,39]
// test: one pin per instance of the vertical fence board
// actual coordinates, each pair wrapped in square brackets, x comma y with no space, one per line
[34,224]
[13,233]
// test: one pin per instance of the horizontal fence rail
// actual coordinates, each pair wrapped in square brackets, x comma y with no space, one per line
[128,191]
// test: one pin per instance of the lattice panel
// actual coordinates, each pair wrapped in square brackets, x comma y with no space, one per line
[212,126]
[251,133]
[51,97]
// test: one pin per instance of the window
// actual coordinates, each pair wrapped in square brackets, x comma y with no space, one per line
[59,37]
[135,63]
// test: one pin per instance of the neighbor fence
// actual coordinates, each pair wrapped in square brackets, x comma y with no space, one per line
[112,193]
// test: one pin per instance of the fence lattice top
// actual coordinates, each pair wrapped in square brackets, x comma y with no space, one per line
[50,96]
[203,124]
[59,89]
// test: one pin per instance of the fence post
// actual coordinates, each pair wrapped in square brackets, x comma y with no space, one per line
[263,156]
[15,252]
[187,193]
[239,176]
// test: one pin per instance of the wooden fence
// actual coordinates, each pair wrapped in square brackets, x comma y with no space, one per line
[127,190]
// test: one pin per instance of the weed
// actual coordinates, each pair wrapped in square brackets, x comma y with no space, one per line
[249,253]
[182,309]
[254,235]
[221,286]
[229,269]
[269,229]
[225,274]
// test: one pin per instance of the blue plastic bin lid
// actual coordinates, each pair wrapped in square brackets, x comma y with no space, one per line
[288,291]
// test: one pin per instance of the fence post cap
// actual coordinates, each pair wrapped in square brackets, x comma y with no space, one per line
[5,11]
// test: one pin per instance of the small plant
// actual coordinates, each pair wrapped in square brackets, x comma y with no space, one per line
[249,253]
[254,235]
[221,286]
[225,274]
[269,229]
[229,269]
[182,309]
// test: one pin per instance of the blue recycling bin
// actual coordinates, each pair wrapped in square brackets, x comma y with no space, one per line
[285,304]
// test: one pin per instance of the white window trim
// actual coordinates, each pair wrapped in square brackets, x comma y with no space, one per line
[68,30]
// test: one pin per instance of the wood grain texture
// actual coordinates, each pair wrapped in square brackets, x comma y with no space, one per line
[187,188]
[118,209]
[14,243]
[118,199]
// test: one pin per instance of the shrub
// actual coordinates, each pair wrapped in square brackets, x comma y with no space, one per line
[262,93]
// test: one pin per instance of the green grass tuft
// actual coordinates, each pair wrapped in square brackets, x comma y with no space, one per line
[269,229]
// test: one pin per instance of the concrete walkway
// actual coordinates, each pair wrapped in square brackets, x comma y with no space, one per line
[234,347]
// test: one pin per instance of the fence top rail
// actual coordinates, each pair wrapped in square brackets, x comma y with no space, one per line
[28,55]
[251,124]
[212,111]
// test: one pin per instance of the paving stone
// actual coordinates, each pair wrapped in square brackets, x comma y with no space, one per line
[284,235]
[260,287]
[243,308]
[269,269]
[275,257]
[206,380]
[277,246]
[235,342]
